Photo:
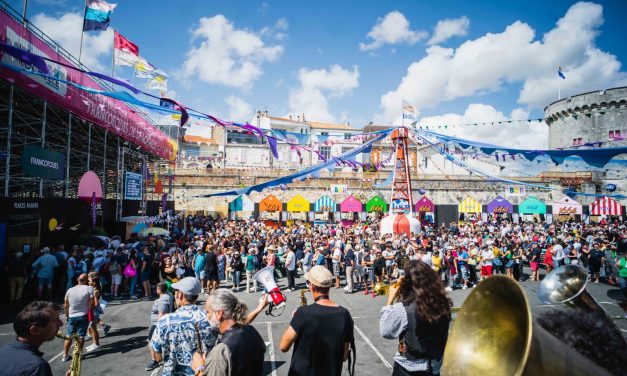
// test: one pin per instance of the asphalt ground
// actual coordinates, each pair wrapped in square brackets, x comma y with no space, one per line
[124,351]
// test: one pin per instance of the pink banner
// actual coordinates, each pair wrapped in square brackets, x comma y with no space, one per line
[110,114]
[351,204]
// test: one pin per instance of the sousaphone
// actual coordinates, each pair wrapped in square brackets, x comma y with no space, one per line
[494,334]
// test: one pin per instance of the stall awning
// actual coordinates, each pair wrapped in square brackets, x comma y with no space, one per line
[298,204]
[500,205]
[567,206]
[532,206]
[376,205]
[270,204]
[424,205]
[351,204]
[606,206]
[469,205]
[241,203]
[324,204]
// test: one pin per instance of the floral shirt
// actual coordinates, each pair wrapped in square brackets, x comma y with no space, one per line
[176,339]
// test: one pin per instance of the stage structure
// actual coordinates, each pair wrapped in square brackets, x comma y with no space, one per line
[400,218]
[51,134]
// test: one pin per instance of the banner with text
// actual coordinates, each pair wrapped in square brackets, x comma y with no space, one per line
[43,163]
[133,186]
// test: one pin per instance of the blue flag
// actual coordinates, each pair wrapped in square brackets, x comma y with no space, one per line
[560,73]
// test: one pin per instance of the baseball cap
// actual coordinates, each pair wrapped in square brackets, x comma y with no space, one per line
[188,286]
[318,276]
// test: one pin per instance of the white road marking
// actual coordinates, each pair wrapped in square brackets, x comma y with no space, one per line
[7,334]
[271,349]
[56,357]
[156,371]
[385,362]
[623,330]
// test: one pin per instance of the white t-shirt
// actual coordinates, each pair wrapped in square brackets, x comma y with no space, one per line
[387,254]
[290,261]
[78,297]
[337,256]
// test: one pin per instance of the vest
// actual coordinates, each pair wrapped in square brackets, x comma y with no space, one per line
[422,340]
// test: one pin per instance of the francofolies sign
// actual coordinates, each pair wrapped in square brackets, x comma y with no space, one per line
[43,163]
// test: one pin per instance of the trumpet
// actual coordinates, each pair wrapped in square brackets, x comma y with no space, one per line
[381,288]
[77,353]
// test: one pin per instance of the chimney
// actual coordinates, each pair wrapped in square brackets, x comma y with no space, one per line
[290,116]
[265,113]
[298,117]
[303,117]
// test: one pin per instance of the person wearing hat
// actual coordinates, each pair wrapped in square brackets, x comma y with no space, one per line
[175,338]
[323,322]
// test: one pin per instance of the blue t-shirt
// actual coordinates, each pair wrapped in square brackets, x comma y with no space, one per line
[464,255]
[199,262]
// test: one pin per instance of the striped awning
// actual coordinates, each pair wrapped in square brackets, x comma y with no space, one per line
[324,204]
[469,205]
[606,206]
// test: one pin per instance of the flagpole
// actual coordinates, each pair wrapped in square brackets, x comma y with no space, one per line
[402,114]
[80,49]
[113,56]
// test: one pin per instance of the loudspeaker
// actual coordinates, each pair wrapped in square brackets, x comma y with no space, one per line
[266,277]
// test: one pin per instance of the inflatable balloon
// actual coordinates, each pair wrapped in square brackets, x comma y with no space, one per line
[283,187]
[610,187]
[52,224]
[422,191]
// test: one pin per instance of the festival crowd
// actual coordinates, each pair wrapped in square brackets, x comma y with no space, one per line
[219,257]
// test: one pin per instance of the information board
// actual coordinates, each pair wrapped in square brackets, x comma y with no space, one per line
[133,186]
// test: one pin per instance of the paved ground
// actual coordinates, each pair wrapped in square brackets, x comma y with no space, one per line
[124,352]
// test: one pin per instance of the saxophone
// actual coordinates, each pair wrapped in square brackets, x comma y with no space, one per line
[303,298]
[77,353]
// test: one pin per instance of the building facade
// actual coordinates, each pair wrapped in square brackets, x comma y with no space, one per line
[587,119]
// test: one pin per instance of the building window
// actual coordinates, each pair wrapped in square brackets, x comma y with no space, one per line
[615,135]
[242,138]
[347,136]
[325,151]
[324,133]
[577,141]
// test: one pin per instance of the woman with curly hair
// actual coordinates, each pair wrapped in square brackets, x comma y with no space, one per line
[420,321]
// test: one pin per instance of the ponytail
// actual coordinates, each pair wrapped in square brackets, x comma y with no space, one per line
[240,313]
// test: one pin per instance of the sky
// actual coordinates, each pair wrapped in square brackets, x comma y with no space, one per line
[457,62]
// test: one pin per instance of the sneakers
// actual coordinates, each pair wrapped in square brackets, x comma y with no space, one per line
[106,329]
[465,287]
[65,358]
[152,365]
[91,348]
[448,288]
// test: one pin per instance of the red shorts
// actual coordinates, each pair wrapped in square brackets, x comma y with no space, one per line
[486,270]
[534,266]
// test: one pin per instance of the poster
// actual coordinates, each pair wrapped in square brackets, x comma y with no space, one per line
[549,218]
[484,217]
[516,218]
[133,186]
[43,163]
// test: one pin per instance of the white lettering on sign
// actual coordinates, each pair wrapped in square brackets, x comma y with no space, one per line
[25,205]
[44,163]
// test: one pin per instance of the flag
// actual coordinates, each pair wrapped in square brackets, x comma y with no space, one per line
[97,14]
[159,80]
[143,69]
[125,52]
[409,111]
[560,73]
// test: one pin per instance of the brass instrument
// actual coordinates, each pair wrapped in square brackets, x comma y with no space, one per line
[381,288]
[494,335]
[303,298]
[567,285]
[77,353]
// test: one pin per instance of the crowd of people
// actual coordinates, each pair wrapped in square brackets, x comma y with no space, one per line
[213,256]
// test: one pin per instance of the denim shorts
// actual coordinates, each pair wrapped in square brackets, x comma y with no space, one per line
[201,274]
[464,270]
[45,281]
[77,325]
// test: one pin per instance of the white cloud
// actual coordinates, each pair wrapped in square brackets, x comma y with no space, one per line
[226,55]
[277,30]
[239,109]
[445,29]
[491,61]
[392,29]
[311,97]
[66,30]
[524,135]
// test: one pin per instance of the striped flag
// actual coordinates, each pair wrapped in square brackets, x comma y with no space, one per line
[97,14]
[125,52]
[409,111]
[143,69]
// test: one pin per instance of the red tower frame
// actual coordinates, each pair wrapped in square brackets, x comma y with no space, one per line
[401,196]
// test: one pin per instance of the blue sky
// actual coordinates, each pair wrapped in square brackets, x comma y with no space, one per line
[457,61]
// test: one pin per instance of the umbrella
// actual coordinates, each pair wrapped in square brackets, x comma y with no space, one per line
[154,231]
